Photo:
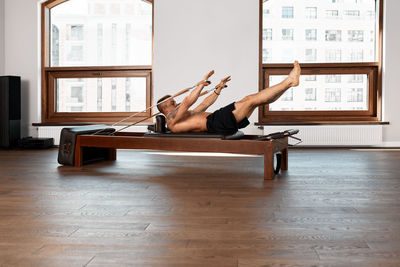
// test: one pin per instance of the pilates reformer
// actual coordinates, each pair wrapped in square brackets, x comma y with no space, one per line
[85,144]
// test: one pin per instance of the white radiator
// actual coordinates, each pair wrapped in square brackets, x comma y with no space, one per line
[321,135]
[55,131]
[334,135]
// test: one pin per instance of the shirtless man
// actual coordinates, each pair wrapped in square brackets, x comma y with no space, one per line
[227,119]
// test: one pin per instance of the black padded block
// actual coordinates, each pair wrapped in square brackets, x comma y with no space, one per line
[236,136]
[66,150]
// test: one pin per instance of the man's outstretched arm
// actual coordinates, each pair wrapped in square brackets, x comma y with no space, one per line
[192,97]
[209,100]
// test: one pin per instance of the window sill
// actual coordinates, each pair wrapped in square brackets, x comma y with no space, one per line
[322,123]
[38,124]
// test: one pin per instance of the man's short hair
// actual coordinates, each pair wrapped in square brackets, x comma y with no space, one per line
[159,104]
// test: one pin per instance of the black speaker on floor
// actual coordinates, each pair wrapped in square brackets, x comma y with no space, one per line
[10,110]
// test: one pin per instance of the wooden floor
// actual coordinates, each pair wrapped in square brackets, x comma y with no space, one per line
[333,207]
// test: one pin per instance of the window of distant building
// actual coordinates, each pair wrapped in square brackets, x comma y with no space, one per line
[355,35]
[287,12]
[333,35]
[267,34]
[311,34]
[287,34]
[311,55]
[311,12]
[310,94]
[332,14]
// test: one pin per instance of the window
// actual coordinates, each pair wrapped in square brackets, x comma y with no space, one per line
[333,79]
[352,13]
[355,95]
[267,55]
[55,55]
[332,94]
[311,12]
[310,78]
[310,94]
[267,34]
[332,14]
[287,34]
[355,35]
[76,32]
[341,63]
[356,79]
[333,55]
[99,95]
[311,55]
[333,35]
[99,65]
[311,34]
[287,12]
[356,55]
[371,14]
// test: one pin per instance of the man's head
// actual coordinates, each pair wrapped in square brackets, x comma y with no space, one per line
[166,106]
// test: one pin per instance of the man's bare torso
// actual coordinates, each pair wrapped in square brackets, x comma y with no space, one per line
[190,122]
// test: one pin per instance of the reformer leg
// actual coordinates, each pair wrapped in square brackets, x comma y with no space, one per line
[268,164]
[78,157]
[284,166]
[112,154]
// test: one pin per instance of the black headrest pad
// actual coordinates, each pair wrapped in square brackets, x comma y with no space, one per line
[160,124]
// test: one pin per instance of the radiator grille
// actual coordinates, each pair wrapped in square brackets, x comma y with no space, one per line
[335,135]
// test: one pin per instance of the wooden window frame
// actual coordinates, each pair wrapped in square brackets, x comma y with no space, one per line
[49,75]
[373,70]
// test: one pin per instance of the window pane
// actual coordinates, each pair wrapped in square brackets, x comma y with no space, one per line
[338,31]
[323,93]
[101,33]
[101,94]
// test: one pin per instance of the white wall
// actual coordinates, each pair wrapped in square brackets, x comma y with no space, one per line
[21,56]
[190,38]
[1,37]
[391,70]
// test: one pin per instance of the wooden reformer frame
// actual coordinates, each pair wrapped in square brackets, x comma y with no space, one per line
[132,140]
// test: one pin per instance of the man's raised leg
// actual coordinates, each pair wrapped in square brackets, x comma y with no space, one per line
[245,107]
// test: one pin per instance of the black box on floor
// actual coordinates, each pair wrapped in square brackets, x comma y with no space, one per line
[10,110]
[29,142]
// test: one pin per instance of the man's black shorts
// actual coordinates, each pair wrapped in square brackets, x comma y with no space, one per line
[223,121]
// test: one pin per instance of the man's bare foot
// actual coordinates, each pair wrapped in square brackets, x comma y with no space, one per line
[294,75]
